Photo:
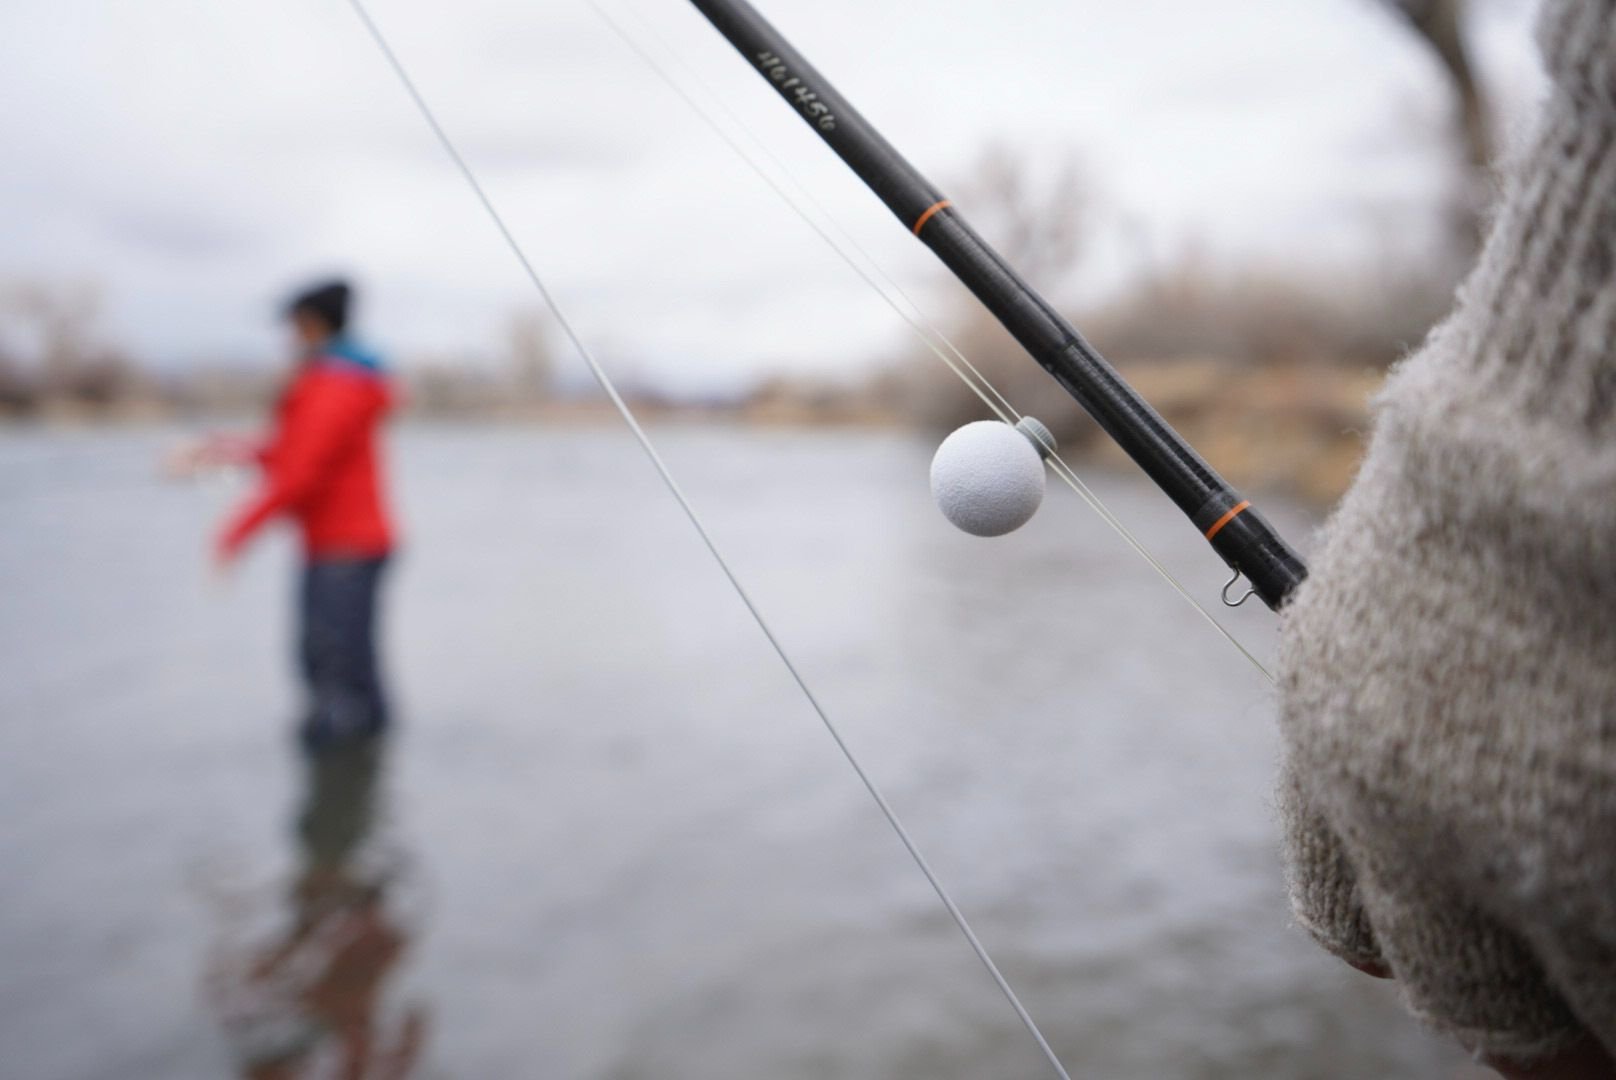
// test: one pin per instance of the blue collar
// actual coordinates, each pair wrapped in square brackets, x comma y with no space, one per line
[347,351]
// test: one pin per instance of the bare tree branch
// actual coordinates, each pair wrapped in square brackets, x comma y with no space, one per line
[1440,24]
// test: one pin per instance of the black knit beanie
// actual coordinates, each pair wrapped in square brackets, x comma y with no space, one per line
[327,301]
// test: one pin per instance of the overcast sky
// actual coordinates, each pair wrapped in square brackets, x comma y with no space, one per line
[197,158]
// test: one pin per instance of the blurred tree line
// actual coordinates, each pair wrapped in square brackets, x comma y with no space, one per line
[56,363]
[51,350]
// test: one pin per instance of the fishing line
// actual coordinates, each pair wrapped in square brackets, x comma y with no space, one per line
[923,327]
[610,389]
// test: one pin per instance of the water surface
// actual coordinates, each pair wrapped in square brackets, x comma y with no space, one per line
[611,840]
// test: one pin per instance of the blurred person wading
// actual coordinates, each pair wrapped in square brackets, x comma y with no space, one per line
[322,467]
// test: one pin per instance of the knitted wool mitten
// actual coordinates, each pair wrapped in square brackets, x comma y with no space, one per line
[1449,670]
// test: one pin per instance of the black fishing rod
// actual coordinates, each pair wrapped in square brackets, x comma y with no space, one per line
[1236,531]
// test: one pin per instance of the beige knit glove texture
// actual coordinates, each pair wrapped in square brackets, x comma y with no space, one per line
[1448,672]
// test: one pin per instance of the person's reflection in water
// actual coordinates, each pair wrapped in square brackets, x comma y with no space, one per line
[308,999]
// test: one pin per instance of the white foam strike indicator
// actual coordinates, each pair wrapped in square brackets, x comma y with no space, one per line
[988,477]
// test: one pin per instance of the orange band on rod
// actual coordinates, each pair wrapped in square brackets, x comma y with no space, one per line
[940,204]
[1217,526]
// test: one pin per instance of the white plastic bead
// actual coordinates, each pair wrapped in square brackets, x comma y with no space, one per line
[987,478]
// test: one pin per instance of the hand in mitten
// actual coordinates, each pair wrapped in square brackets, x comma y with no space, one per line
[1448,672]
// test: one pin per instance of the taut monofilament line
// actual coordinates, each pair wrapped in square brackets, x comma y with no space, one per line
[1236,531]
[616,398]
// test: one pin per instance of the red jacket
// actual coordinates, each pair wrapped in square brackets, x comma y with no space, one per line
[322,465]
